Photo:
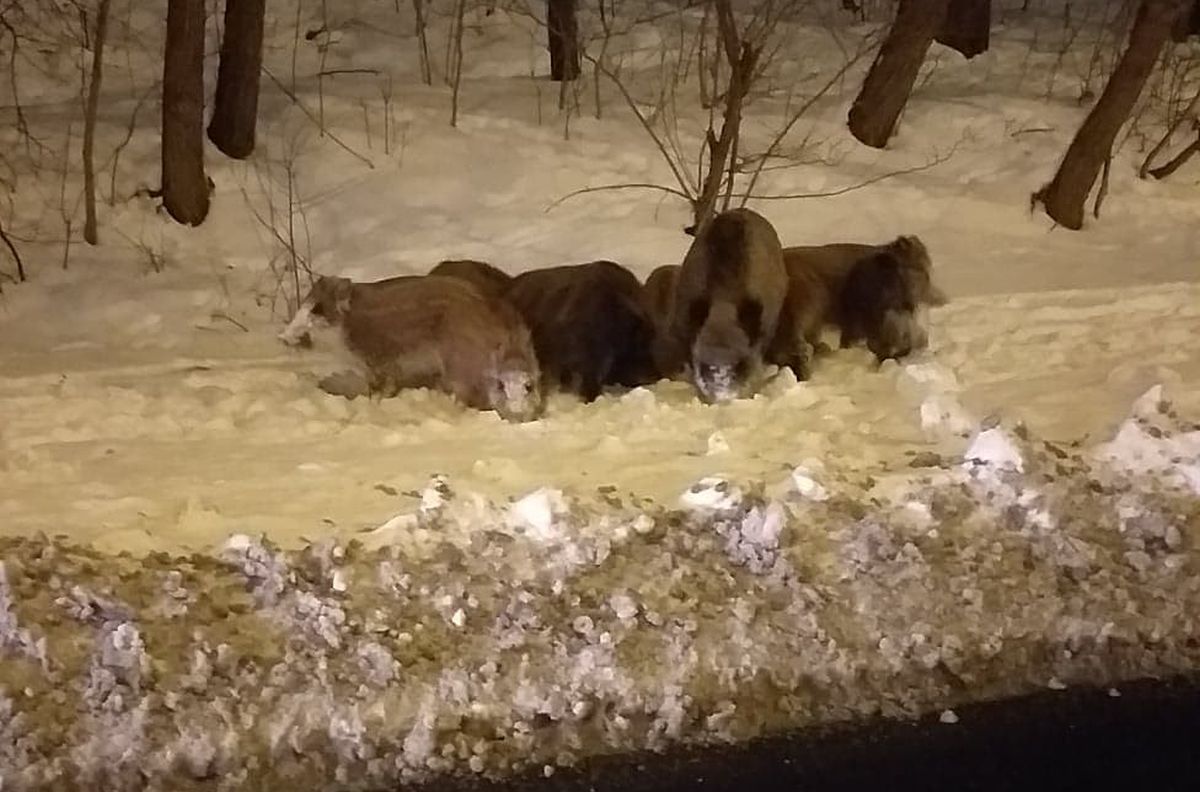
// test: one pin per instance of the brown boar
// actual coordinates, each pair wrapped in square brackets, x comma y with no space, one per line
[427,331]
[728,296]
[590,326]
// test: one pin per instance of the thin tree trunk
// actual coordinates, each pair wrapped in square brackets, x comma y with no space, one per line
[967,28]
[423,40]
[743,60]
[889,82]
[1064,197]
[563,39]
[457,59]
[235,104]
[90,234]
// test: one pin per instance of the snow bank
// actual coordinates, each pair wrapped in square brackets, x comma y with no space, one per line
[486,636]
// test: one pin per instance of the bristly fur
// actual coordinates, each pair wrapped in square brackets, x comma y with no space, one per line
[728,297]
[437,332]
[591,326]
[490,279]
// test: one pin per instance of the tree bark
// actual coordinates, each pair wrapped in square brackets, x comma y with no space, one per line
[889,82]
[184,186]
[563,39]
[90,234]
[1064,197]
[967,28]
[1187,24]
[235,104]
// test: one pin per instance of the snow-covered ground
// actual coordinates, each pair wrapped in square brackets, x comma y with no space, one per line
[150,411]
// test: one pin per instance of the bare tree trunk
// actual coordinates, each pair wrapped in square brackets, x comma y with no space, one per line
[456,59]
[885,90]
[1187,24]
[967,28]
[563,39]
[743,60]
[423,40]
[90,234]
[235,104]
[1064,197]
[184,186]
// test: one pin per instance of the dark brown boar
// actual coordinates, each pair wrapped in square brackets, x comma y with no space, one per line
[590,326]
[728,296]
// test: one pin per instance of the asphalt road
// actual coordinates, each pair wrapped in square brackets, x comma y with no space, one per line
[1148,738]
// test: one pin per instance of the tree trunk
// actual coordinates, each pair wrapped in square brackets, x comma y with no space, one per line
[563,39]
[235,104]
[1064,197]
[885,91]
[967,27]
[1187,23]
[90,233]
[184,186]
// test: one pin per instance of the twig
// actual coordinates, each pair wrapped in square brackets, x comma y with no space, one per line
[230,319]
[685,189]
[858,185]
[13,250]
[296,101]
[115,157]
[1030,131]
[1103,191]
[333,72]
[866,47]
[625,186]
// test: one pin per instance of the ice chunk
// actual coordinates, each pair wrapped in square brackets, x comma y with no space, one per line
[711,493]
[623,605]
[1148,404]
[994,448]
[536,513]
[807,486]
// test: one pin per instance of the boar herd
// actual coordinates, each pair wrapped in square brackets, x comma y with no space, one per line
[739,301]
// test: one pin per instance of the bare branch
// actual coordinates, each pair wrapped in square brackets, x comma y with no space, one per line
[296,101]
[624,186]
[1177,161]
[938,160]
[8,243]
[867,45]
[1170,133]
[685,189]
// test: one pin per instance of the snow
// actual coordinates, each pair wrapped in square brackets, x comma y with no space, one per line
[410,587]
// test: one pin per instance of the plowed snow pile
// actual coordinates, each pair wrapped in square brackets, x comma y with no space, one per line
[214,576]
[469,637]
